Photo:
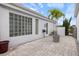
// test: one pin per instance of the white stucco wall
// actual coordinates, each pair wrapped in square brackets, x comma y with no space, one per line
[61,31]
[4,24]
[77,24]
[15,41]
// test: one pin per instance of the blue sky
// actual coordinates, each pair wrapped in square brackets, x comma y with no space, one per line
[67,8]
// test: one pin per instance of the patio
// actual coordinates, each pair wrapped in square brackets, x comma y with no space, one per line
[46,47]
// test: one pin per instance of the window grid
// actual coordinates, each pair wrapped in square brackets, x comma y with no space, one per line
[19,25]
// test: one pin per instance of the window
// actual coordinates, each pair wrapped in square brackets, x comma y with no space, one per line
[19,25]
[36,26]
[46,28]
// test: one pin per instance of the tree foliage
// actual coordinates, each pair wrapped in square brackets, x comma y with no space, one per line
[55,13]
[66,24]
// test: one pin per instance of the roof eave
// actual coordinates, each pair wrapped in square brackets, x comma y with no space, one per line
[76,9]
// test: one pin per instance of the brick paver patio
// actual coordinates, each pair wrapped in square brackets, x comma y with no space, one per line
[46,47]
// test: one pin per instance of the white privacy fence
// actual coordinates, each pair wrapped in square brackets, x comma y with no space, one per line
[61,31]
